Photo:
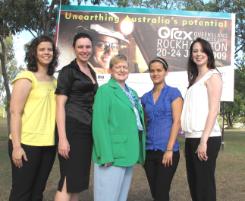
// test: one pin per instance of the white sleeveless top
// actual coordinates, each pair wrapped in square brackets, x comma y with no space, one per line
[195,109]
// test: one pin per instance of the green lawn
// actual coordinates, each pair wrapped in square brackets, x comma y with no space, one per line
[230,173]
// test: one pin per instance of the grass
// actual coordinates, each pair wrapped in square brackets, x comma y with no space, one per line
[230,173]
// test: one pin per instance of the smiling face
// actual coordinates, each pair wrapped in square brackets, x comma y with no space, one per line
[83,49]
[157,73]
[199,57]
[104,49]
[119,71]
[44,53]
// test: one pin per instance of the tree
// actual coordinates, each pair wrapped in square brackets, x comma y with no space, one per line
[237,7]
[163,4]
[11,69]
[38,17]
[235,111]
[17,15]
[3,33]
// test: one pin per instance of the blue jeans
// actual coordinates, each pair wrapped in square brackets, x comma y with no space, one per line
[112,183]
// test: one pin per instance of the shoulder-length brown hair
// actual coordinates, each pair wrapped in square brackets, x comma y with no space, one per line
[31,54]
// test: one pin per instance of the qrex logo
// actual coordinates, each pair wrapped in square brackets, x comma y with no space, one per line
[174,33]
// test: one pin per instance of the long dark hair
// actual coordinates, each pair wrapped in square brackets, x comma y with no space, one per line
[31,54]
[192,67]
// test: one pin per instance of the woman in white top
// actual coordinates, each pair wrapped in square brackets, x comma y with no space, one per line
[199,121]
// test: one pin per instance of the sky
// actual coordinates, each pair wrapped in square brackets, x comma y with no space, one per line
[19,41]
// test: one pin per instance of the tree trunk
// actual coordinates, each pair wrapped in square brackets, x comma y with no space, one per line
[5,79]
[229,120]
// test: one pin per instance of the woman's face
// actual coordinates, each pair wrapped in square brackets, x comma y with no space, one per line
[157,73]
[83,49]
[199,57]
[120,71]
[45,53]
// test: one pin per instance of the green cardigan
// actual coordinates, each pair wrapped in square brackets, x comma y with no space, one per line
[115,133]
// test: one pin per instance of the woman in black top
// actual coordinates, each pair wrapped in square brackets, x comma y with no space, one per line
[75,92]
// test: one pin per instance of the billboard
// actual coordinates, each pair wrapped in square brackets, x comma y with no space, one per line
[142,34]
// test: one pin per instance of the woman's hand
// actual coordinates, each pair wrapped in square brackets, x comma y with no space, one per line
[107,165]
[202,151]
[167,160]
[18,155]
[64,148]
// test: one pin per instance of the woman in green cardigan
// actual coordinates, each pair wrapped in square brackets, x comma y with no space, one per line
[118,133]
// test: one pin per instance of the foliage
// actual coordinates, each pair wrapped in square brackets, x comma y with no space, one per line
[9,71]
[235,111]
[162,4]
[237,7]
[11,66]
[38,17]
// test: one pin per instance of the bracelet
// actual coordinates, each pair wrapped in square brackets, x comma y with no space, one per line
[169,149]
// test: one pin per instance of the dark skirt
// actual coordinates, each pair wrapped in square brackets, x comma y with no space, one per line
[76,169]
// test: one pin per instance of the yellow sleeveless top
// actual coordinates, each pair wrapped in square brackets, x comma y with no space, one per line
[38,119]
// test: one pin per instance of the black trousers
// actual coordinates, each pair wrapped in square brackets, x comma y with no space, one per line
[201,174]
[160,177]
[29,181]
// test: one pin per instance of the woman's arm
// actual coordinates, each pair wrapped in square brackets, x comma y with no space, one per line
[64,146]
[214,88]
[21,90]
[177,105]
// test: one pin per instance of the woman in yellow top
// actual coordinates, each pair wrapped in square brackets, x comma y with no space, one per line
[32,144]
